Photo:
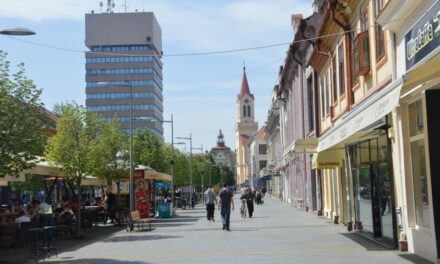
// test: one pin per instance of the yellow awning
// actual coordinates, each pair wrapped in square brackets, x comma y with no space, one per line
[328,159]
[158,176]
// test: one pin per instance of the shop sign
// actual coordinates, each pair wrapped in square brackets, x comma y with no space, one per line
[424,37]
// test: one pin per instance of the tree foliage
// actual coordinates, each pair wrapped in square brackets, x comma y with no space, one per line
[113,156]
[23,123]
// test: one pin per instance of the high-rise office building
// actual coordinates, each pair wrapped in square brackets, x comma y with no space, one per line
[123,62]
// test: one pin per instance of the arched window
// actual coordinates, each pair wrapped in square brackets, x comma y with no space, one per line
[244,111]
[249,110]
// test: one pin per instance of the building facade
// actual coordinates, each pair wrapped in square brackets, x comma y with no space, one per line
[274,146]
[222,155]
[415,30]
[124,68]
[244,129]
[358,93]
[258,157]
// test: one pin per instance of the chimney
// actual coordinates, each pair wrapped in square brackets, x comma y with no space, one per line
[295,19]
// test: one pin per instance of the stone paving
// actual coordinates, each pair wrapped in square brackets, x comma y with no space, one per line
[278,233]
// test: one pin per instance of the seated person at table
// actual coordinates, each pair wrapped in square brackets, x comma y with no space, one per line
[31,211]
[66,217]
[22,217]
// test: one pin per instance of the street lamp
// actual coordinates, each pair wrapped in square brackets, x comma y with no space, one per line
[190,164]
[201,149]
[131,182]
[18,31]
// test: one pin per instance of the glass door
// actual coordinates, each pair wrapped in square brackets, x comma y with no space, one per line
[362,184]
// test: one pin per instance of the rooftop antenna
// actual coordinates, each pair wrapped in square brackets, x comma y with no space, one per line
[110,6]
[101,4]
[125,5]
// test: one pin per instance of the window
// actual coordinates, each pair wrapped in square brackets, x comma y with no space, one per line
[310,103]
[334,80]
[262,149]
[263,164]
[341,70]
[327,91]
[244,111]
[418,158]
[249,110]
[380,35]
[322,97]
[361,48]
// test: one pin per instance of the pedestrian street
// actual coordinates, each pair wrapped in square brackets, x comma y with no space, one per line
[278,233]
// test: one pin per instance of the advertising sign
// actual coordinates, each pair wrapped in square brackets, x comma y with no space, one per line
[424,37]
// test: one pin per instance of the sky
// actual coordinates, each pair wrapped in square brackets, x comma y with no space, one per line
[200,91]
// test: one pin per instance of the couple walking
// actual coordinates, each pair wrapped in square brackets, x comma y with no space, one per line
[225,203]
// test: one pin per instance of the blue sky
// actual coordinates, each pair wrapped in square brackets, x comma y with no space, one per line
[200,91]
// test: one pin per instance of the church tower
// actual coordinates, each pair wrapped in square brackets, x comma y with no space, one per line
[244,128]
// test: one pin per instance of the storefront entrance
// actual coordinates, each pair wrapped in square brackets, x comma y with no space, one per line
[373,212]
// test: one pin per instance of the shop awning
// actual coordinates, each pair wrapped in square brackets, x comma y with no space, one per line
[374,108]
[307,145]
[328,159]
[158,176]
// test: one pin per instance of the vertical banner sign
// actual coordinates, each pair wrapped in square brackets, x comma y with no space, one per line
[424,37]
[142,192]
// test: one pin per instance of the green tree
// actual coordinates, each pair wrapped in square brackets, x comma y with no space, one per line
[75,146]
[149,150]
[113,156]
[23,123]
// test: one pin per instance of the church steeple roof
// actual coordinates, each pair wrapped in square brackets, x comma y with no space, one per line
[220,139]
[244,90]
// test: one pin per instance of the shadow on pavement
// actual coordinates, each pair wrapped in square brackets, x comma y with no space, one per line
[137,238]
[415,259]
[162,224]
[95,261]
[365,242]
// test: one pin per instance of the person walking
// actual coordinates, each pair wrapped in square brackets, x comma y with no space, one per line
[210,201]
[109,204]
[258,196]
[225,204]
[249,196]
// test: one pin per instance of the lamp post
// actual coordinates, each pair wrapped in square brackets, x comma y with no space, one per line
[18,31]
[131,182]
[190,164]
[201,149]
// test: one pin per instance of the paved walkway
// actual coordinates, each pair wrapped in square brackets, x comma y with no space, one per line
[277,233]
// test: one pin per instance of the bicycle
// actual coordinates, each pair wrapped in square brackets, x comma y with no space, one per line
[243,208]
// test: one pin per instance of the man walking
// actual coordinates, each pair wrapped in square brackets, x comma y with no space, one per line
[210,201]
[225,203]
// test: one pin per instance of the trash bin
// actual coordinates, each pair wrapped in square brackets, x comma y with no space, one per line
[164,209]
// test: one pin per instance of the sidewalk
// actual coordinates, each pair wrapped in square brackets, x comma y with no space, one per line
[278,233]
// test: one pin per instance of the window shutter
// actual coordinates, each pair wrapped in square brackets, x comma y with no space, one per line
[364,53]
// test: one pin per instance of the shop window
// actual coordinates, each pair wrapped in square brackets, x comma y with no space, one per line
[418,162]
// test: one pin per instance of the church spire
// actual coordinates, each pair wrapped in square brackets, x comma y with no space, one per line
[244,90]
[220,139]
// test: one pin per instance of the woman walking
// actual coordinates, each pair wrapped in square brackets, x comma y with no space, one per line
[249,197]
